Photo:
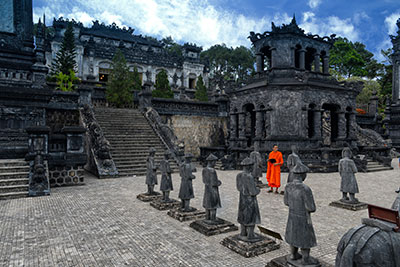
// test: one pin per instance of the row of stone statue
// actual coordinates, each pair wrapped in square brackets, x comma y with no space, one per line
[298,197]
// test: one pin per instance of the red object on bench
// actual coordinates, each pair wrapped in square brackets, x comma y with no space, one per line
[385,214]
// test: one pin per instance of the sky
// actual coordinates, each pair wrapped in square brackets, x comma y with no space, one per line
[210,22]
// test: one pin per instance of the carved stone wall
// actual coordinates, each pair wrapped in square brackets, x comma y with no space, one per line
[197,131]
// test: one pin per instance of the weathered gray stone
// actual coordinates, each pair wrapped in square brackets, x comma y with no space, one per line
[160,204]
[211,198]
[166,180]
[348,184]
[186,189]
[219,226]
[190,215]
[250,249]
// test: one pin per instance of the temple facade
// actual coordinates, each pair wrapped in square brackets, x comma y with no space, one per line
[96,47]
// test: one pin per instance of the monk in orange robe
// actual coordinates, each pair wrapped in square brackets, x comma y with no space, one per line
[275,161]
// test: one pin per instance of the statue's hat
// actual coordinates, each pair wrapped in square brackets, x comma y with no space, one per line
[211,157]
[300,168]
[247,161]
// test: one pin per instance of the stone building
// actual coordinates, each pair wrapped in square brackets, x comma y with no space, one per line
[96,47]
[293,99]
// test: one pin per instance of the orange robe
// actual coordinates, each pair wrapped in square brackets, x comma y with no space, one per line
[274,172]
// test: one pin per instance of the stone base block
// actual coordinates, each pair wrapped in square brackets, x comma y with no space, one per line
[261,185]
[349,206]
[147,198]
[160,205]
[184,216]
[250,249]
[221,226]
[284,261]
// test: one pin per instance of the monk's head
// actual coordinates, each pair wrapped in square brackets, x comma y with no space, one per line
[275,148]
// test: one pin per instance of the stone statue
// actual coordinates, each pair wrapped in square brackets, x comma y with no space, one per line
[347,168]
[211,199]
[151,176]
[292,161]
[166,180]
[186,190]
[257,166]
[249,212]
[373,243]
[299,229]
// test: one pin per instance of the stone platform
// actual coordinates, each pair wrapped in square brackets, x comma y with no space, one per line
[349,206]
[250,249]
[285,262]
[261,185]
[147,198]
[160,205]
[221,226]
[184,216]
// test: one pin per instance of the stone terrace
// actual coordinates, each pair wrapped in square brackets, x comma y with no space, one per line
[103,224]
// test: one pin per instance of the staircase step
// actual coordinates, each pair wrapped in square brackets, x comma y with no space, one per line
[13,162]
[11,169]
[13,175]
[14,188]
[11,195]
[18,181]
[381,168]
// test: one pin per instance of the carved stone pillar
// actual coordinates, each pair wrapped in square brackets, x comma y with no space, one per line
[233,117]
[273,57]
[259,128]
[341,125]
[325,64]
[317,124]
[267,122]
[242,129]
[259,62]
[352,131]
[317,62]
[302,59]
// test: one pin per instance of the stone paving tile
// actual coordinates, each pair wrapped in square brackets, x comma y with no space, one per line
[103,224]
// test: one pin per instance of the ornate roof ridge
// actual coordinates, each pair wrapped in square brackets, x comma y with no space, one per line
[291,28]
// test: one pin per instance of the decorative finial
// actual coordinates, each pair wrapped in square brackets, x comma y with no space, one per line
[294,19]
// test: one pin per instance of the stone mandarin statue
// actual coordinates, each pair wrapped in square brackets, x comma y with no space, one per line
[257,166]
[211,199]
[249,212]
[151,175]
[299,229]
[186,190]
[166,180]
[347,168]
[292,161]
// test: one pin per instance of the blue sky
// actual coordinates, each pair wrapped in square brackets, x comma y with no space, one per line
[209,22]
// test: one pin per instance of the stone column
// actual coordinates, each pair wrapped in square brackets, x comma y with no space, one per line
[233,117]
[267,122]
[317,62]
[317,124]
[302,59]
[259,128]
[259,62]
[341,125]
[325,64]
[242,129]
[352,130]
[273,57]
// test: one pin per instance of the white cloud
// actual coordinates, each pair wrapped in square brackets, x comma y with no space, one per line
[390,23]
[328,26]
[314,3]
[359,16]
[195,21]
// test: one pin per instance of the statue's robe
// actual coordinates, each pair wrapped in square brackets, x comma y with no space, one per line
[186,189]
[211,198]
[299,229]
[396,203]
[274,172]
[166,180]
[151,174]
[249,212]
[291,162]
[347,168]
[257,168]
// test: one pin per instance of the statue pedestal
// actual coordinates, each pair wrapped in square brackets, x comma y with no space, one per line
[147,198]
[349,206]
[285,262]
[160,205]
[184,216]
[219,227]
[250,249]
[261,185]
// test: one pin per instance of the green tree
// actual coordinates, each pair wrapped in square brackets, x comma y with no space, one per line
[120,83]
[65,82]
[65,58]
[172,47]
[163,89]
[137,83]
[345,60]
[372,67]
[201,90]
[386,74]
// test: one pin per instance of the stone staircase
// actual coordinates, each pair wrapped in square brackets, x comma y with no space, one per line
[131,137]
[14,178]
[374,166]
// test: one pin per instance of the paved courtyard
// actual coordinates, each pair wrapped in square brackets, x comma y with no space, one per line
[103,224]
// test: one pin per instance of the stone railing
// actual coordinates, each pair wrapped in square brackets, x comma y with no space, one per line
[184,107]
[100,160]
[166,134]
